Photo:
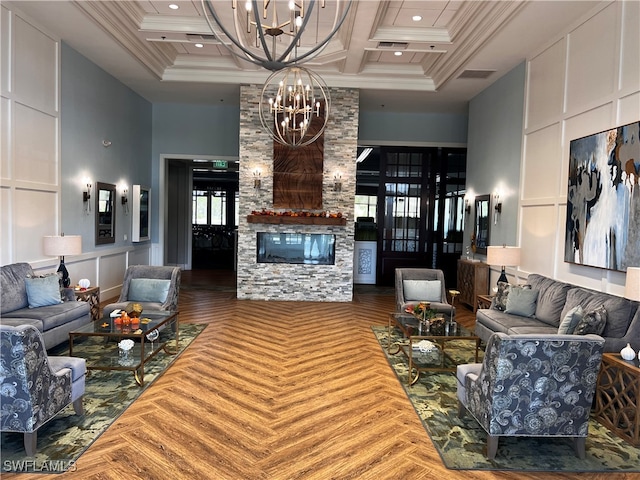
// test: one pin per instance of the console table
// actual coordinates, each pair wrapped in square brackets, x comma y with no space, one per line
[618,397]
[473,280]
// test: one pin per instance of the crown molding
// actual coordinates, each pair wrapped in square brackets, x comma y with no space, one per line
[121,21]
[473,26]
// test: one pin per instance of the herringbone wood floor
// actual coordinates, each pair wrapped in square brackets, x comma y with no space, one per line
[275,390]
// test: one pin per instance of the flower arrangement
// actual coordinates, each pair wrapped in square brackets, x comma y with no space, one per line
[422,311]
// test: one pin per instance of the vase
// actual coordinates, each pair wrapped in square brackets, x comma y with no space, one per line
[628,353]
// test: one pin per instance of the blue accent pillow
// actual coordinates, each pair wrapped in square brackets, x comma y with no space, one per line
[43,291]
[148,290]
[570,320]
[522,301]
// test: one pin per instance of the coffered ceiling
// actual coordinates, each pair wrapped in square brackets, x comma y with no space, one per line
[457,49]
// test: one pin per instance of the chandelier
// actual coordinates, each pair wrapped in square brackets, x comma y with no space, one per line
[294,106]
[287,23]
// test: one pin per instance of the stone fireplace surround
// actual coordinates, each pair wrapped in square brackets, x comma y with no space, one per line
[297,282]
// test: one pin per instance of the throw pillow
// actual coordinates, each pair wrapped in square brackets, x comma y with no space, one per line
[522,301]
[570,320]
[422,290]
[148,290]
[43,291]
[502,294]
[592,322]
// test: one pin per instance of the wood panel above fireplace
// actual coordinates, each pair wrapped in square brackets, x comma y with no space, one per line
[290,220]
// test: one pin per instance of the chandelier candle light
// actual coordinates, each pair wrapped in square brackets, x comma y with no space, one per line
[288,107]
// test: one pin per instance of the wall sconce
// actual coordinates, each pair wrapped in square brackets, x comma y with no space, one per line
[337,182]
[125,199]
[86,196]
[467,206]
[497,206]
[257,182]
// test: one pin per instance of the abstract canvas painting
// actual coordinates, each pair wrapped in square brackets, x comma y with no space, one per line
[603,199]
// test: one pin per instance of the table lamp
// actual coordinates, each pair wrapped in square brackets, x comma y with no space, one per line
[59,246]
[632,285]
[505,257]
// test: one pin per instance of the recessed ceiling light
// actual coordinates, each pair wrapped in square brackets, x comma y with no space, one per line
[397,54]
[173,6]
[199,45]
[416,18]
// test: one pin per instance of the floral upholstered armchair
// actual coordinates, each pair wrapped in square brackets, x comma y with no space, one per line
[532,385]
[34,387]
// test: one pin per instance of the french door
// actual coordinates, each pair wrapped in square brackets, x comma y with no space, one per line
[420,210]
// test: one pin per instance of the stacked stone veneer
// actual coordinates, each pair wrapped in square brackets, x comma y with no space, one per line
[269,281]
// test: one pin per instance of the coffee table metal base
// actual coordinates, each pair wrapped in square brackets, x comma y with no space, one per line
[432,361]
[98,342]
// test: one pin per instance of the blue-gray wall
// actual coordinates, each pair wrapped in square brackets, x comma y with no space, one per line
[96,107]
[412,128]
[494,150]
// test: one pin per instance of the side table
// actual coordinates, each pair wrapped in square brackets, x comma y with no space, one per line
[484,301]
[92,296]
[618,397]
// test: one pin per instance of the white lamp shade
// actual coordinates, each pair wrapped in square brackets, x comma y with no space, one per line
[59,246]
[503,256]
[632,286]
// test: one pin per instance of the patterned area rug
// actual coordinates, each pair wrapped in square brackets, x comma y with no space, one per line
[107,395]
[461,443]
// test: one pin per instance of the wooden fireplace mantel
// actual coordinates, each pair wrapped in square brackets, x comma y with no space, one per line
[291,220]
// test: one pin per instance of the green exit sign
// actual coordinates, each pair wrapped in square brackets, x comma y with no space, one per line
[220,164]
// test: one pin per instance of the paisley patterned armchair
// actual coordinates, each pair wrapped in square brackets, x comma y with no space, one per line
[34,387]
[532,385]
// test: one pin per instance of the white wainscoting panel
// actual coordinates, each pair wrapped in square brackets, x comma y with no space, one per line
[36,151]
[5,144]
[35,215]
[546,80]
[630,55]
[538,239]
[6,246]
[591,70]
[628,108]
[35,67]
[542,150]
[110,274]
[5,50]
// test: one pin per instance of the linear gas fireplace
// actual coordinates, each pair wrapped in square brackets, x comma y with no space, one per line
[308,248]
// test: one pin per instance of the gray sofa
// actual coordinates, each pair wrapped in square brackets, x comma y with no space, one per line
[53,321]
[555,300]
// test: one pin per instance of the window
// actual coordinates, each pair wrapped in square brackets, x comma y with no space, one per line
[210,207]
[365,206]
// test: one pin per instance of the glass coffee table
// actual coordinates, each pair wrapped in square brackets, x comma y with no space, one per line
[438,354]
[98,341]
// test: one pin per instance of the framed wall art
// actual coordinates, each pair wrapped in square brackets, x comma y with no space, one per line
[603,199]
